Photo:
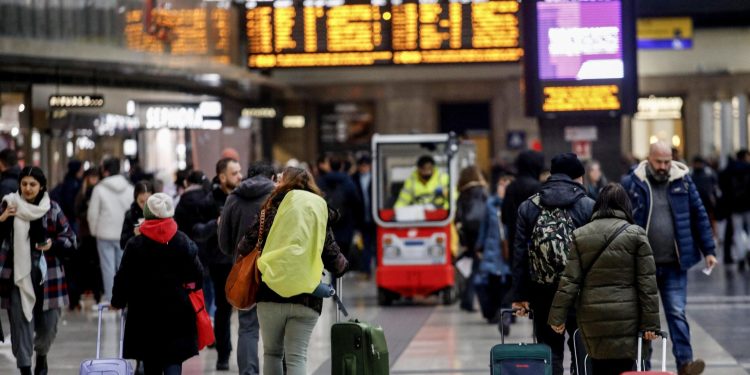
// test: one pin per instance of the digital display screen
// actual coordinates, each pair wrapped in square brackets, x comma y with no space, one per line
[362,33]
[580,57]
[580,40]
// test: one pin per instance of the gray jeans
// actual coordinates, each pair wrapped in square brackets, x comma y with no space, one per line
[27,337]
[110,256]
[247,342]
[286,329]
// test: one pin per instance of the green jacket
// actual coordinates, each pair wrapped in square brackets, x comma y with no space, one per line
[618,297]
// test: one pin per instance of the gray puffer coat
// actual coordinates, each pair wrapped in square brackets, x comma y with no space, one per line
[618,297]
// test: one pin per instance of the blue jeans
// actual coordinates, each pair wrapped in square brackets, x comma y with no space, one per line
[286,329]
[247,342]
[110,256]
[672,281]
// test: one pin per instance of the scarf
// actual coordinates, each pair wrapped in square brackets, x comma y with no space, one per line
[159,230]
[26,213]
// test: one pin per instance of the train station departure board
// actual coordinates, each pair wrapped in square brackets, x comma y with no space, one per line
[320,33]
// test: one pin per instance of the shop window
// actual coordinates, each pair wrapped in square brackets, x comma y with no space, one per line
[659,119]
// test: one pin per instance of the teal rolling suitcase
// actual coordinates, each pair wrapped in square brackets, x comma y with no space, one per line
[517,359]
[357,348]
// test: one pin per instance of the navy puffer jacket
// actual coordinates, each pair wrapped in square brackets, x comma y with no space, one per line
[692,227]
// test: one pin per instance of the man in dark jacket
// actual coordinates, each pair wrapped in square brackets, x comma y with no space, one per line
[228,177]
[563,190]
[65,193]
[667,204]
[239,214]
[9,172]
[365,223]
[529,165]
[341,195]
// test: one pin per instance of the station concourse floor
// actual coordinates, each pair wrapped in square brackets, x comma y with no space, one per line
[427,338]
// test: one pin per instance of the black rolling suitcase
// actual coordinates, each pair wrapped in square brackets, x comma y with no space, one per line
[522,358]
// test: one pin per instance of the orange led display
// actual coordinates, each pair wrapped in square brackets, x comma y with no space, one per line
[358,33]
[198,32]
[581,98]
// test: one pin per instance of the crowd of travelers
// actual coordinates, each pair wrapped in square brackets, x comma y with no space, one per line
[562,242]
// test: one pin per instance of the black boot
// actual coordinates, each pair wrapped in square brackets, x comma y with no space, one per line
[41,365]
[25,370]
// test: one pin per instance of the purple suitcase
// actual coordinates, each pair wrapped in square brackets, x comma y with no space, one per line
[108,366]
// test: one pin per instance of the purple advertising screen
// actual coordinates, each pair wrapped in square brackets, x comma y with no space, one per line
[580,40]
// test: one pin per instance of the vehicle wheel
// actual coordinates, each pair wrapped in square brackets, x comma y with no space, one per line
[448,296]
[385,298]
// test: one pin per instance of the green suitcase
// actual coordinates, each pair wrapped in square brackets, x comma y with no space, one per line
[520,359]
[357,348]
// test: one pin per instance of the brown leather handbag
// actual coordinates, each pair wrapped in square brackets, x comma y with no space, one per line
[244,279]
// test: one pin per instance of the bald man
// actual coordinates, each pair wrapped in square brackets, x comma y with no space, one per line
[667,204]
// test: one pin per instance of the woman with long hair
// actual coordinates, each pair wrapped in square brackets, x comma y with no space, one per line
[34,234]
[611,278]
[134,216]
[297,242]
[471,209]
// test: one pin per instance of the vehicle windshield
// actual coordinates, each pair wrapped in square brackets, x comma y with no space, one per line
[413,182]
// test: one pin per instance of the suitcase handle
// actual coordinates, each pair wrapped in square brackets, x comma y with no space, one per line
[512,312]
[639,362]
[101,309]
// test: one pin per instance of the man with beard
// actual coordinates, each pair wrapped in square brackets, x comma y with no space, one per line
[228,177]
[667,204]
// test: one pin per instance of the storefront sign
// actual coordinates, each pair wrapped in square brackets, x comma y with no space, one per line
[665,33]
[293,122]
[204,115]
[659,108]
[580,133]
[259,112]
[76,101]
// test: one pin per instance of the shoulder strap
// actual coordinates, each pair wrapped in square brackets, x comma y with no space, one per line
[606,245]
[262,223]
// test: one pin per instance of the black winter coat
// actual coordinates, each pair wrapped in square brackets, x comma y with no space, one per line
[241,211]
[341,195]
[191,210]
[160,325]
[9,181]
[559,191]
[529,166]
[471,210]
[131,220]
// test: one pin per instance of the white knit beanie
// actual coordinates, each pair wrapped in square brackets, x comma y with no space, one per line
[159,206]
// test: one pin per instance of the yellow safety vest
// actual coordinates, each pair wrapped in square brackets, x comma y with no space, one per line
[416,192]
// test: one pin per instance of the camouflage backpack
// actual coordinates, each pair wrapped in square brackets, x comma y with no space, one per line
[550,243]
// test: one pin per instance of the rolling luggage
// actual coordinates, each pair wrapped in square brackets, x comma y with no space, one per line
[581,356]
[357,348]
[516,359]
[109,366]
[640,362]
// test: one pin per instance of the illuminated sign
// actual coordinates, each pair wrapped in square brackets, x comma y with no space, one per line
[198,32]
[261,112]
[580,57]
[665,33]
[76,101]
[204,115]
[659,108]
[361,33]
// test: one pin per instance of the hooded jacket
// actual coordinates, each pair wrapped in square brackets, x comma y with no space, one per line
[618,296]
[691,225]
[559,191]
[110,200]
[241,210]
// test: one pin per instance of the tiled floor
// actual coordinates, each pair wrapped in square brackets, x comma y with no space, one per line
[425,338]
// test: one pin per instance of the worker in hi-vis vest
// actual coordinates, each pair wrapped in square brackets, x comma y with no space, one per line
[426,185]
